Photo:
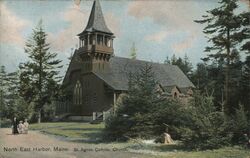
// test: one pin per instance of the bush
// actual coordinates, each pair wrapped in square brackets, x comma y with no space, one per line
[208,128]
[169,115]
[48,112]
[240,125]
[5,123]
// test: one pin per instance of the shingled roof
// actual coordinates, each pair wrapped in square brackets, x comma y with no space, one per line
[96,20]
[166,75]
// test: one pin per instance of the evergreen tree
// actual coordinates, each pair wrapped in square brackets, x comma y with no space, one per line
[12,105]
[184,64]
[205,127]
[200,76]
[245,84]
[3,90]
[245,32]
[39,76]
[133,52]
[223,30]
[245,78]
[187,66]
[173,59]
[12,94]
[235,77]
[167,61]
[134,117]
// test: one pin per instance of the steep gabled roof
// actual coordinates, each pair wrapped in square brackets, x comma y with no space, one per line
[96,20]
[166,75]
[75,64]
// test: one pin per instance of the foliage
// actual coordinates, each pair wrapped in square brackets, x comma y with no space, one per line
[3,89]
[183,63]
[207,128]
[240,125]
[244,90]
[245,32]
[39,76]
[5,123]
[169,115]
[11,103]
[49,111]
[134,117]
[224,31]
[200,76]
[133,52]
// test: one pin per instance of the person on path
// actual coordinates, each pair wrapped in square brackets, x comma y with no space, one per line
[14,126]
[26,126]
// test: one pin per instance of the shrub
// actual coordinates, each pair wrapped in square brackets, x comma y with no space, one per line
[208,128]
[5,123]
[240,125]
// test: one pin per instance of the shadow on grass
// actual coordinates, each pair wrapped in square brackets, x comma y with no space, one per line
[170,148]
[81,129]
[91,138]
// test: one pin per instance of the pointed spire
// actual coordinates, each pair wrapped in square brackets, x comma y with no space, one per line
[96,20]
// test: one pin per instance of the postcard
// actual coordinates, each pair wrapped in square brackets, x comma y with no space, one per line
[124,79]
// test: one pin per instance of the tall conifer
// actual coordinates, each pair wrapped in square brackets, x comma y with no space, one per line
[39,76]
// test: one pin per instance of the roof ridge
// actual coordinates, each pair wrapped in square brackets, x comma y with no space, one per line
[141,60]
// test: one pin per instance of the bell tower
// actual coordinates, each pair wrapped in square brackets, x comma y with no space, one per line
[96,41]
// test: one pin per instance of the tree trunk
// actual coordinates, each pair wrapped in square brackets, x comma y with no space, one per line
[39,117]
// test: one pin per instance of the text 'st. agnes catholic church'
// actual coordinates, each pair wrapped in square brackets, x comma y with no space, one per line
[95,78]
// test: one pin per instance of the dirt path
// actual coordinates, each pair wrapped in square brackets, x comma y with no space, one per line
[37,145]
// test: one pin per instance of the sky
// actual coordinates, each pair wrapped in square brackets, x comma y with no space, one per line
[159,28]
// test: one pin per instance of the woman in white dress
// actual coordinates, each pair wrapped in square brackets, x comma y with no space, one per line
[26,126]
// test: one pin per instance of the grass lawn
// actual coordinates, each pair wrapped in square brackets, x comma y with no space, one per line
[81,131]
[90,134]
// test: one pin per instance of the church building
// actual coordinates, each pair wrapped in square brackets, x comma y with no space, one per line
[96,78]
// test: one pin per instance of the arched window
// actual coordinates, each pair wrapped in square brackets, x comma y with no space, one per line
[78,93]
[175,95]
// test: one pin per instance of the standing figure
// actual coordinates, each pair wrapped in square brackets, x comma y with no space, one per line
[20,127]
[26,126]
[167,137]
[14,126]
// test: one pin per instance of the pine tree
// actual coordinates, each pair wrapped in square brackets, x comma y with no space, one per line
[12,105]
[184,64]
[167,61]
[3,89]
[39,76]
[223,31]
[12,94]
[133,52]
[245,32]
[245,84]
[134,117]
[200,76]
[205,128]
[245,79]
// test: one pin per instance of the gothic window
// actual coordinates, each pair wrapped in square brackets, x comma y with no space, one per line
[78,93]
[175,95]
